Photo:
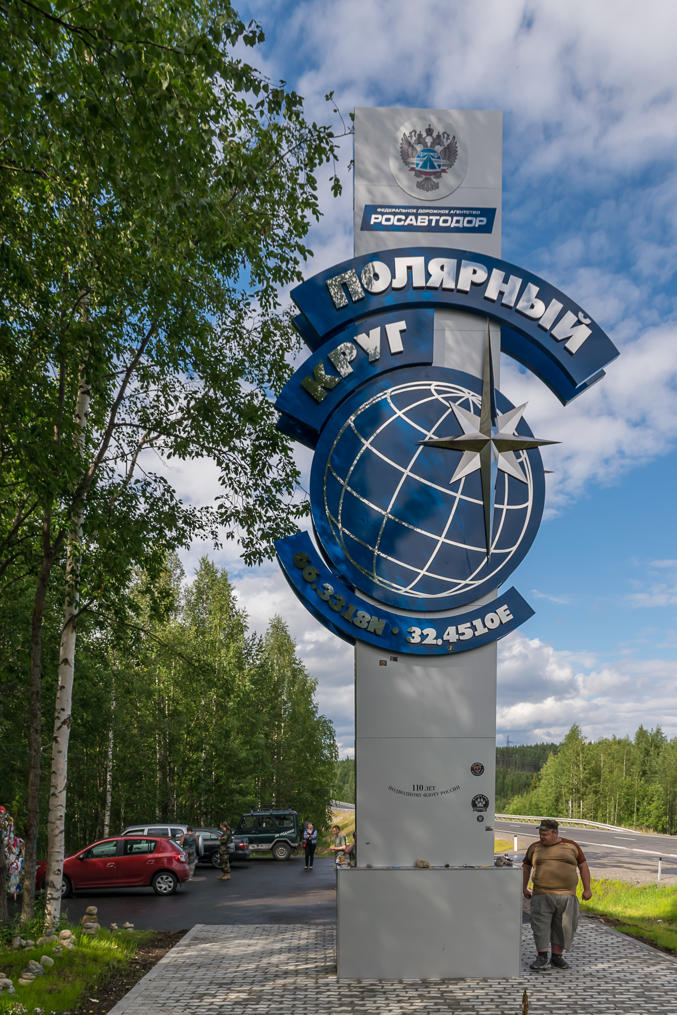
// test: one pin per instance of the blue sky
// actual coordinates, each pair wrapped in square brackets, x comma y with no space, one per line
[589,100]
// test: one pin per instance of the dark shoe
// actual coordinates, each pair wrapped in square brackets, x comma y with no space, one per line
[541,963]
[559,962]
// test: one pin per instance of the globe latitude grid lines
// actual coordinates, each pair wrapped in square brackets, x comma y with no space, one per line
[429,580]
[388,514]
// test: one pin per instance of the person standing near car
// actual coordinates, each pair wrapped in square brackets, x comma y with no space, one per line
[309,844]
[224,857]
[337,844]
[188,843]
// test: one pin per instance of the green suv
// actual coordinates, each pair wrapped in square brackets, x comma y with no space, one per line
[274,831]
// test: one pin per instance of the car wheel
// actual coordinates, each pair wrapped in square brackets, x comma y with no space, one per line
[66,887]
[164,883]
[215,859]
[281,850]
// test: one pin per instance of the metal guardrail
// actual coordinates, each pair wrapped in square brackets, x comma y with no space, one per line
[530,818]
[577,822]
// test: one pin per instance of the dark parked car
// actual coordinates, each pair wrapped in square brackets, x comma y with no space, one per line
[271,831]
[238,848]
[123,862]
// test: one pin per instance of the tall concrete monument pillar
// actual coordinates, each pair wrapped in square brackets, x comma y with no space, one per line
[427,489]
[421,725]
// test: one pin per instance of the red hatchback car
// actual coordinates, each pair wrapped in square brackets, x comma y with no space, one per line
[124,862]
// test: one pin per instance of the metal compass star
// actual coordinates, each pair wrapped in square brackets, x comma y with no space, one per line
[489,446]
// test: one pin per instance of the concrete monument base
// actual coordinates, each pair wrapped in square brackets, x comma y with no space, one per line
[437,923]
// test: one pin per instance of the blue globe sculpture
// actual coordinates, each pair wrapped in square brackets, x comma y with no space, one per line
[385,511]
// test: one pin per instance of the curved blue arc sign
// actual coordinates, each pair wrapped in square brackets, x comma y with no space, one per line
[427,485]
[349,359]
[544,329]
[353,618]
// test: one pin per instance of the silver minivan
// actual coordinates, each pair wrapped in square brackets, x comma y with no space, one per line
[172,831]
[207,840]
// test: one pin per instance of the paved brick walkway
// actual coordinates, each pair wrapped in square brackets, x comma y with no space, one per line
[265,970]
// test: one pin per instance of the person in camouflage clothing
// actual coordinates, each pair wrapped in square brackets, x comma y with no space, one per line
[224,857]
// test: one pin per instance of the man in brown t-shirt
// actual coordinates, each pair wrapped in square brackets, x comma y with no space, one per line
[553,864]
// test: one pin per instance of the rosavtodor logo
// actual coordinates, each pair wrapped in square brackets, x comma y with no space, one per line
[427,154]
[432,160]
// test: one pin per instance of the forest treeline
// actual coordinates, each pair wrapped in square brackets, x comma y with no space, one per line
[618,780]
[516,767]
[156,189]
[179,713]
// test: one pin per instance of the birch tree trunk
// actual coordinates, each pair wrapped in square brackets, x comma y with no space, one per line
[109,757]
[64,692]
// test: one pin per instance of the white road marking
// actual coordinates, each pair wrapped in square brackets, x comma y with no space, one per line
[628,849]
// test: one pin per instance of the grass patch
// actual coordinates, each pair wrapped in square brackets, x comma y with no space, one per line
[502,846]
[648,912]
[75,975]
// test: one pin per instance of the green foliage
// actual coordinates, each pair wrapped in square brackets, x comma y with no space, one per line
[617,781]
[155,189]
[75,975]
[645,911]
[523,757]
[516,768]
[31,930]
[344,781]
[206,720]
[299,753]
[155,193]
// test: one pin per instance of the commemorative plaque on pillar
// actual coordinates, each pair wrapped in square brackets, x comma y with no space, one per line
[427,490]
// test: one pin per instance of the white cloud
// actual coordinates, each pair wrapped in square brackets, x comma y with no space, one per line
[589,93]
[628,421]
[655,589]
[543,692]
[559,600]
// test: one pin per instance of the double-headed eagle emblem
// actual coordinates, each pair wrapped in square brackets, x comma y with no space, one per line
[428,154]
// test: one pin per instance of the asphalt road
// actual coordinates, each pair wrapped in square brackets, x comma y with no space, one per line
[262,891]
[267,891]
[622,855]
